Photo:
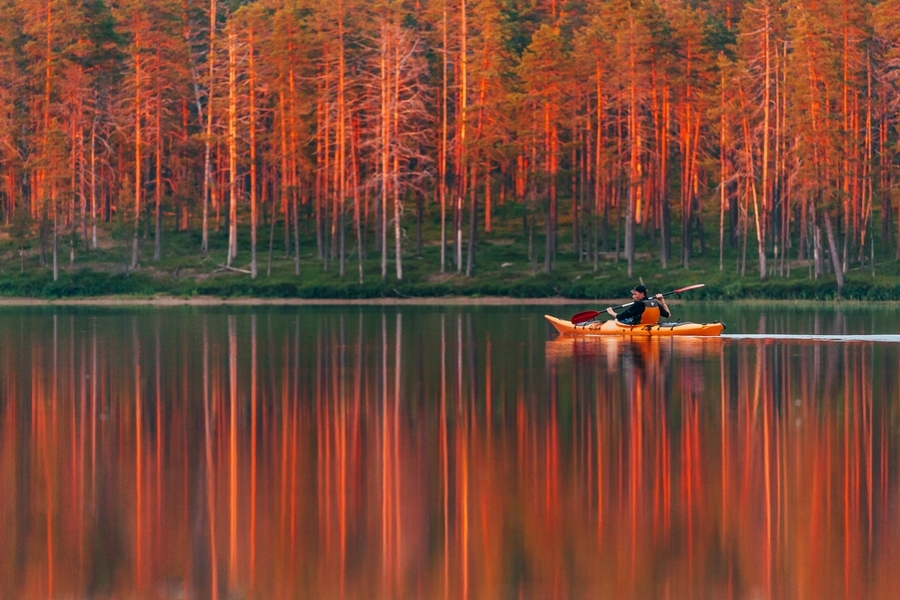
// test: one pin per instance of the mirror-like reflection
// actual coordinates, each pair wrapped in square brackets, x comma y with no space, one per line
[438,453]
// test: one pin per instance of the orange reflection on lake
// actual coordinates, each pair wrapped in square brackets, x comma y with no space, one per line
[389,454]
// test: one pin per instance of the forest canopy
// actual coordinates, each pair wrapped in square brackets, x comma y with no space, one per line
[624,121]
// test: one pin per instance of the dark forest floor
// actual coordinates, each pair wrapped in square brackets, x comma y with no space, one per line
[507,264]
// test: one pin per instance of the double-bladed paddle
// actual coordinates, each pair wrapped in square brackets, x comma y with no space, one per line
[588,315]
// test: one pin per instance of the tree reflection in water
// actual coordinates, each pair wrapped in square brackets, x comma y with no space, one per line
[374,453]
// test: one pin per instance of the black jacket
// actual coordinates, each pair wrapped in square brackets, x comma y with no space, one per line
[632,315]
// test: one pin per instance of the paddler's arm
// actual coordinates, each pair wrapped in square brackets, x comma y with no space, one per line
[611,312]
[663,308]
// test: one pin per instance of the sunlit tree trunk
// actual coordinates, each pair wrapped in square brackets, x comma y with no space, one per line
[341,151]
[783,177]
[293,169]
[44,184]
[818,259]
[598,162]
[473,188]
[94,182]
[82,168]
[232,146]
[358,215]
[723,124]
[461,138]
[665,218]
[138,184]
[385,119]
[887,216]
[576,169]
[635,140]
[764,187]
[398,256]
[207,143]
[547,169]
[551,145]
[847,146]
[834,251]
[442,159]
[157,234]
[867,190]
[328,250]
[285,183]
[254,209]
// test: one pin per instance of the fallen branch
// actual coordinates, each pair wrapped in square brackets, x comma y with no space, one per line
[227,268]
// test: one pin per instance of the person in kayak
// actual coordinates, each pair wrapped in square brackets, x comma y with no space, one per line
[644,310]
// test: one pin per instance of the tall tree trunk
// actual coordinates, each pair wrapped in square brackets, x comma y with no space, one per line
[295,202]
[254,209]
[887,217]
[760,240]
[328,250]
[341,150]
[207,143]
[665,220]
[357,208]
[232,146]
[633,172]
[473,187]
[94,182]
[689,142]
[272,231]
[138,185]
[598,163]
[55,203]
[82,171]
[462,167]
[294,171]
[473,218]
[848,146]
[285,184]
[833,250]
[385,142]
[554,175]
[398,257]
[548,159]
[157,234]
[723,123]
[575,170]
[867,190]
[764,188]
[442,162]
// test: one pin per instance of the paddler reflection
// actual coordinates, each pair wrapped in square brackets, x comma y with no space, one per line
[616,352]
[671,363]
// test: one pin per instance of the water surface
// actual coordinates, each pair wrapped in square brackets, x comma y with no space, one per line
[458,452]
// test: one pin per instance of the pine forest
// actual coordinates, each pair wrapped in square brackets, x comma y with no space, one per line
[761,132]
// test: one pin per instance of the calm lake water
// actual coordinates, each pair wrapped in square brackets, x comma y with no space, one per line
[446,452]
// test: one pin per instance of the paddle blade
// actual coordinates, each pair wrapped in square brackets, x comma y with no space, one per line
[690,287]
[584,316]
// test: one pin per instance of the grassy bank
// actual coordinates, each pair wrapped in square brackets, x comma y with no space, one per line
[504,266]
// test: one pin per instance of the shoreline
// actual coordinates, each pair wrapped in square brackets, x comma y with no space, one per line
[163,301]
[201,301]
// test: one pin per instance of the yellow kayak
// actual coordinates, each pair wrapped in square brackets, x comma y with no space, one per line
[613,327]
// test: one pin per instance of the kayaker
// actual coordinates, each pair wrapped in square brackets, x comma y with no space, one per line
[644,310]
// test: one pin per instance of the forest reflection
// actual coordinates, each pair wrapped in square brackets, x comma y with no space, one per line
[388,454]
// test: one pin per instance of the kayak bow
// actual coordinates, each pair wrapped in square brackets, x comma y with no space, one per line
[613,327]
